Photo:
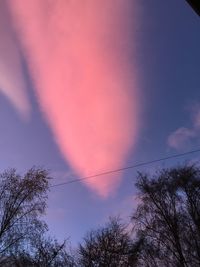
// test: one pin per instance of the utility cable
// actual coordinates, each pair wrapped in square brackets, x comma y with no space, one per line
[127,168]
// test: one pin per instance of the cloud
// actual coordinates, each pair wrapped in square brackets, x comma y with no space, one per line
[180,138]
[78,54]
[12,83]
[196,117]
[183,137]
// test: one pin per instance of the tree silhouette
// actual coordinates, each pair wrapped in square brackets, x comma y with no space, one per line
[167,219]
[110,245]
[23,235]
[22,201]
[166,225]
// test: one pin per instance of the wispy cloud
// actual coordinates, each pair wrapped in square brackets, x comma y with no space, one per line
[12,83]
[196,117]
[183,137]
[78,56]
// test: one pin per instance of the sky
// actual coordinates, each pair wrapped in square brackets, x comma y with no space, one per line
[92,86]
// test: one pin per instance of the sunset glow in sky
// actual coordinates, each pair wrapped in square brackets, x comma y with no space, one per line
[88,86]
[12,82]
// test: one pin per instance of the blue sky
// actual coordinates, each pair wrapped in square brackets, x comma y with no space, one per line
[168,63]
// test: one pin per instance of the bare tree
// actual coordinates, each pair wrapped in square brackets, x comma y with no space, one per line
[49,253]
[22,202]
[111,246]
[23,234]
[45,252]
[168,217]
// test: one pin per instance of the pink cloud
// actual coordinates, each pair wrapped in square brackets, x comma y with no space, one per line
[78,56]
[12,83]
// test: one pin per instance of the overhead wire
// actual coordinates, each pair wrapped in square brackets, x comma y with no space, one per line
[126,168]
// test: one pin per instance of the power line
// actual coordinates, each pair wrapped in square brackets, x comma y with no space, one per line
[126,168]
